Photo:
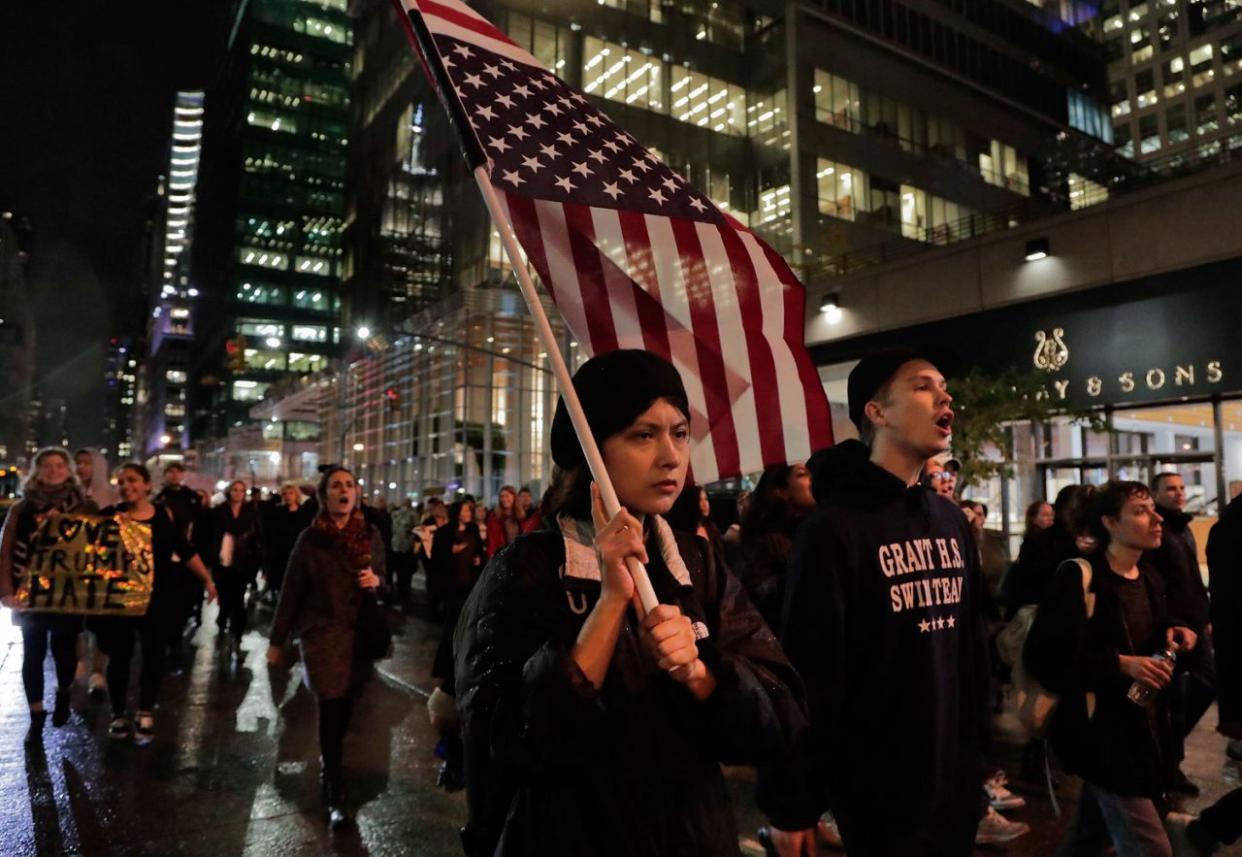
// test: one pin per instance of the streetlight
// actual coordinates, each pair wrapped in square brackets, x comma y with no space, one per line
[364,332]
[165,439]
[359,447]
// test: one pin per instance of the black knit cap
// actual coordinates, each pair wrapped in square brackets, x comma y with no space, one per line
[614,388]
[876,370]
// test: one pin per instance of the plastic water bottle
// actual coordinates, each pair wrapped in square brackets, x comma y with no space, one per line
[1143,694]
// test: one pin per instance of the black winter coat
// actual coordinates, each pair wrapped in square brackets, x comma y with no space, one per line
[1177,562]
[1224,556]
[1118,747]
[554,766]
[1039,558]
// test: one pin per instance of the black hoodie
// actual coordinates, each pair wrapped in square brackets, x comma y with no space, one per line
[882,620]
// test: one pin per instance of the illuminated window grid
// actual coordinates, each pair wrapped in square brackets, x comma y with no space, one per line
[622,74]
[708,102]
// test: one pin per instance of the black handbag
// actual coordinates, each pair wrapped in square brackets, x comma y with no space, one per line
[373,637]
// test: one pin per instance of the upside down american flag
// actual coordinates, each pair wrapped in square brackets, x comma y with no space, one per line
[631,254]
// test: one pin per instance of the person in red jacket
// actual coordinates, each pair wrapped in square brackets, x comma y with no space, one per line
[504,524]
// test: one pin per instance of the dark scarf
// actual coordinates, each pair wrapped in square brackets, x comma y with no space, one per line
[354,539]
[64,497]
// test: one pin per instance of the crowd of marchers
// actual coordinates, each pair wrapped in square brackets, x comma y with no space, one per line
[854,626]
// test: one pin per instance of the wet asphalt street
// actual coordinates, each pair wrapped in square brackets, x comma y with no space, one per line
[234,767]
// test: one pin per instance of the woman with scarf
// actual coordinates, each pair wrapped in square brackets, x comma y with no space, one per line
[235,558]
[164,611]
[51,490]
[337,562]
[590,728]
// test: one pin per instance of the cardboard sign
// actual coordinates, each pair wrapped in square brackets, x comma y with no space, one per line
[89,565]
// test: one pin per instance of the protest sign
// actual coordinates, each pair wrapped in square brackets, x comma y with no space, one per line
[88,564]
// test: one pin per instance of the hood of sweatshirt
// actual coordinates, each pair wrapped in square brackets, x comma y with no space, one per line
[845,474]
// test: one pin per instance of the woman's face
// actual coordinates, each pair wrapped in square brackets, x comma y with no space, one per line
[84,466]
[53,469]
[506,501]
[705,506]
[798,489]
[237,492]
[466,515]
[132,486]
[1044,517]
[342,493]
[292,496]
[647,460]
[1138,526]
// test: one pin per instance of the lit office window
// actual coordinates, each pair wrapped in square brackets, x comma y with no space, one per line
[1172,75]
[258,293]
[253,327]
[842,189]
[1149,134]
[1141,48]
[1145,88]
[1176,127]
[929,218]
[321,29]
[1205,115]
[175,376]
[837,101]
[306,362]
[774,204]
[310,299]
[310,333]
[315,265]
[275,121]
[248,391]
[1084,192]
[708,102]
[622,74]
[1231,55]
[1201,65]
[263,258]
[264,361]
[765,118]
[546,42]
[1002,166]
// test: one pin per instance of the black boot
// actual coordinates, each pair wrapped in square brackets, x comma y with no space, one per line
[37,719]
[60,714]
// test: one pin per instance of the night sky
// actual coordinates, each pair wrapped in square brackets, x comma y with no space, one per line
[85,118]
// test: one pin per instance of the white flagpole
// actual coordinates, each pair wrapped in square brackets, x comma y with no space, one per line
[612,505]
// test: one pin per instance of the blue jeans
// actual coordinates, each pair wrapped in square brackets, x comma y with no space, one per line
[1132,824]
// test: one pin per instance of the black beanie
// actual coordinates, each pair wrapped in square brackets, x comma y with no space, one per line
[614,388]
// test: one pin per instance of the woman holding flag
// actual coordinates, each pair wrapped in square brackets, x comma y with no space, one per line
[588,727]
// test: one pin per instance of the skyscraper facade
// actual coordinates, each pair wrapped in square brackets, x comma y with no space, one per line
[267,247]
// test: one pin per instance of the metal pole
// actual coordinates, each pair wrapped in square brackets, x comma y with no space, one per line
[1218,430]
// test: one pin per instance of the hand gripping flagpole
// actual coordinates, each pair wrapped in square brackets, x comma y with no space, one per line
[477,160]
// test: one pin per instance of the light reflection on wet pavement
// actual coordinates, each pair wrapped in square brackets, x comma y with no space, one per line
[234,767]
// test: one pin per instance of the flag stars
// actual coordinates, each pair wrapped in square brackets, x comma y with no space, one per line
[518,131]
[531,163]
[552,108]
[474,80]
[564,183]
[513,178]
[670,183]
[582,127]
[582,169]
[549,151]
[628,175]
[566,138]
[535,121]
[463,51]
[486,112]
[657,196]
[492,70]
[641,165]
[611,146]
[499,144]
[505,100]
[522,90]
[508,66]
[596,155]
[594,119]
[612,190]
[697,204]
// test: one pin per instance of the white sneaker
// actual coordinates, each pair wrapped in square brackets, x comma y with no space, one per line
[829,832]
[994,829]
[1000,797]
